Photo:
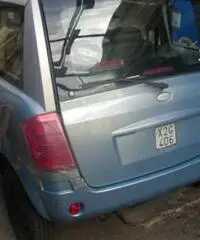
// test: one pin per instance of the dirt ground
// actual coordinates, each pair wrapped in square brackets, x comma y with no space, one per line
[174,216]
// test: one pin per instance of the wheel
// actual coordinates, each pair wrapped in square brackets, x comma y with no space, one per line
[3,164]
[26,222]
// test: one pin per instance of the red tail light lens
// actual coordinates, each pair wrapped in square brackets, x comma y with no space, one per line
[48,145]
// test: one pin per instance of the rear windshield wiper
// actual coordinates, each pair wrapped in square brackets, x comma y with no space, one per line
[72,32]
[137,79]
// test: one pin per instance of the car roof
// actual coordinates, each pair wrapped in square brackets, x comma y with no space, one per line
[19,2]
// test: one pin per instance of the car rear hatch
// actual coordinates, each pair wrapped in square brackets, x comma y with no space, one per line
[124,132]
[128,133]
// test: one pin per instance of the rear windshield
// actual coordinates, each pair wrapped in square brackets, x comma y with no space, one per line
[97,44]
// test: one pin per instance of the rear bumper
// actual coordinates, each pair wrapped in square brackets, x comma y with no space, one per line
[109,199]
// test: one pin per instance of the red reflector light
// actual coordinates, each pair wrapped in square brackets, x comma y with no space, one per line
[48,145]
[75,208]
[158,71]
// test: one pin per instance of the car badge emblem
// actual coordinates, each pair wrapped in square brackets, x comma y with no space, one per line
[164,97]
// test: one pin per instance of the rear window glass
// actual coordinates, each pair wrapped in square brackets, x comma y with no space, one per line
[95,43]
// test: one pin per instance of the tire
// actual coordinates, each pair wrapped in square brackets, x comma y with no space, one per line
[26,222]
[196,185]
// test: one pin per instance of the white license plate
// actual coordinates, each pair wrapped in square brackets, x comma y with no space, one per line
[165,136]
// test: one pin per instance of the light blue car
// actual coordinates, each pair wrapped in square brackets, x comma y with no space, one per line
[99,108]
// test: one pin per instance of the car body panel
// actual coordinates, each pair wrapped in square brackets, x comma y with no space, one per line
[38,83]
[113,133]
[112,198]
[17,105]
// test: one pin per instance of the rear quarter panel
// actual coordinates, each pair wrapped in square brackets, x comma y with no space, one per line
[15,106]
[36,98]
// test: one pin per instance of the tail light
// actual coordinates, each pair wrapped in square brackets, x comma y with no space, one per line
[48,145]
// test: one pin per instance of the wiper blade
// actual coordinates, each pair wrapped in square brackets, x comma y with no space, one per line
[159,85]
[137,79]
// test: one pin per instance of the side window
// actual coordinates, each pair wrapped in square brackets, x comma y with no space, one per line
[11,45]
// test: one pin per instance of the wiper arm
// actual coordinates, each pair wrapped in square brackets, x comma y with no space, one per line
[70,35]
[159,85]
[137,79]
[72,32]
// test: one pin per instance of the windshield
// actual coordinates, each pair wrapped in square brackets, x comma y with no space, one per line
[101,40]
